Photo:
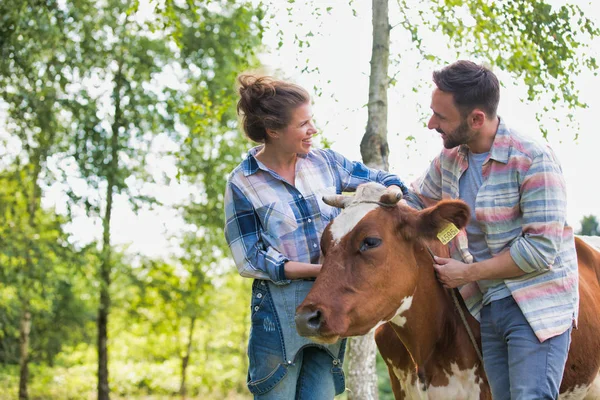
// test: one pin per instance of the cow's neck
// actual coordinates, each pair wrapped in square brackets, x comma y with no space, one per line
[433,332]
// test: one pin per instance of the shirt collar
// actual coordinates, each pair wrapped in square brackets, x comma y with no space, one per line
[500,147]
[250,164]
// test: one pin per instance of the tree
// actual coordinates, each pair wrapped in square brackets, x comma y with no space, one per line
[47,290]
[374,149]
[35,53]
[94,71]
[589,226]
[212,146]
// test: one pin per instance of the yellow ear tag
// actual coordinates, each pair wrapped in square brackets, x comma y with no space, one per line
[448,233]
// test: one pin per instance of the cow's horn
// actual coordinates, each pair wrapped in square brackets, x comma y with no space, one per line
[391,196]
[337,200]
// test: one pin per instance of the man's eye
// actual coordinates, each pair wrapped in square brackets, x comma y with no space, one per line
[370,243]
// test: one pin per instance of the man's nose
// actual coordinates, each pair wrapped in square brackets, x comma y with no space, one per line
[431,124]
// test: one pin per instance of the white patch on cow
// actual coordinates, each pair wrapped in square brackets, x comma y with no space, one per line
[577,393]
[587,392]
[398,319]
[412,390]
[359,205]
[378,325]
[348,219]
[462,385]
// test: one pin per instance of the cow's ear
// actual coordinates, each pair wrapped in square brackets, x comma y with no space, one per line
[433,219]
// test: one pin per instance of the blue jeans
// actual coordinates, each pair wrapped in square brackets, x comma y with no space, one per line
[517,365]
[309,378]
[282,364]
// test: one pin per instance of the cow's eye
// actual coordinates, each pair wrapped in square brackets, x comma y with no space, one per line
[369,243]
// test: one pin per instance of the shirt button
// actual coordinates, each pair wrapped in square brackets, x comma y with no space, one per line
[314,245]
[299,196]
[309,220]
[262,283]
[259,295]
[256,308]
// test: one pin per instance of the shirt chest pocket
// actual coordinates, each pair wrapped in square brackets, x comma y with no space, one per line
[277,219]
[507,204]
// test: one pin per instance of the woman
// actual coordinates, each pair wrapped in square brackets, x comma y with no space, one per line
[274,221]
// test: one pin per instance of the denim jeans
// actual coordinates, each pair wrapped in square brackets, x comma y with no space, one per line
[517,365]
[309,378]
[282,364]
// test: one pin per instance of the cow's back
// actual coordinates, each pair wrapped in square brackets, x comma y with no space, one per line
[583,362]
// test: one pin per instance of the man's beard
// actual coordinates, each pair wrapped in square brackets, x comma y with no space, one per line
[457,137]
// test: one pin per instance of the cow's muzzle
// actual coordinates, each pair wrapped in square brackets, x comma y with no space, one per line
[308,322]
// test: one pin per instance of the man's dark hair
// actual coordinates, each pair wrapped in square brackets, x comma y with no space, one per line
[472,86]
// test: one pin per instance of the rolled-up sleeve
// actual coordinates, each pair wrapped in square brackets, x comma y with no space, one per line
[543,205]
[354,173]
[252,257]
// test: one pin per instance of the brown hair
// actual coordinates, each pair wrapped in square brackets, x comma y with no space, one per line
[267,103]
[472,86]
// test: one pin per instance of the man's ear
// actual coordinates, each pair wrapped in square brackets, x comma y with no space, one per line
[477,118]
[433,219]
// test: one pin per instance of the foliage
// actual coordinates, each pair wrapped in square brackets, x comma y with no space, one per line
[51,286]
[540,44]
[113,81]
[589,226]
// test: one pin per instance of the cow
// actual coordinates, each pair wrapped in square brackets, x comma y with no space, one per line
[377,273]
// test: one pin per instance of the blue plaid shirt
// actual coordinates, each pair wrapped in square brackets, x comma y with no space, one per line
[268,221]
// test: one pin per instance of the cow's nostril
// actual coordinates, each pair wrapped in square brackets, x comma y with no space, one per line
[314,322]
[308,322]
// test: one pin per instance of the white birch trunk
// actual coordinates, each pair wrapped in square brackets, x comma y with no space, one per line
[362,351]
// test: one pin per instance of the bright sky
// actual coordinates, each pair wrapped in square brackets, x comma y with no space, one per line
[341,50]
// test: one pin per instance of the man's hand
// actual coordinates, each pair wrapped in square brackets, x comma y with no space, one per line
[451,273]
[454,273]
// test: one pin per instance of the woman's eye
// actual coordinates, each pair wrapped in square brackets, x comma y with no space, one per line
[370,243]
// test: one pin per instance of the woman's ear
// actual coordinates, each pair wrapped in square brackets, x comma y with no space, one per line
[272,134]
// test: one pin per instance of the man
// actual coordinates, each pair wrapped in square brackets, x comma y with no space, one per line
[516,263]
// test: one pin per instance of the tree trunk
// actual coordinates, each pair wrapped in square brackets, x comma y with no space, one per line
[103,388]
[186,358]
[362,374]
[374,149]
[104,307]
[25,328]
[105,267]
[33,204]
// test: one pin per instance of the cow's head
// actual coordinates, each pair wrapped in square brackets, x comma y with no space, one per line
[370,267]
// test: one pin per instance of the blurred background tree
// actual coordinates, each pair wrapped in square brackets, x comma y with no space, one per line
[589,226]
